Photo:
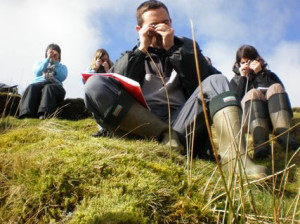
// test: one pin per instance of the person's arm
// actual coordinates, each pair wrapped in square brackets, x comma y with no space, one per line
[40,66]
[89,70]
[213,70]
[275,78]
[182,58]
[61,71]
[238,84]
[131,64]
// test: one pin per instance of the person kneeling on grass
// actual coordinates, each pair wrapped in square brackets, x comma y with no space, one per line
[160,55]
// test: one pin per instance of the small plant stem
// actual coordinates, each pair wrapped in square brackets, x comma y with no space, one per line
[296,205]
[191,155]
[168,103]
[206,118]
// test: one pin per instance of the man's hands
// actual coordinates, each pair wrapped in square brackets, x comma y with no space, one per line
[167,34]
[145,34]
[157,35]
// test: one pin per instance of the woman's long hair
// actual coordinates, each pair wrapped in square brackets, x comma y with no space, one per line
[99,54]
[249,52]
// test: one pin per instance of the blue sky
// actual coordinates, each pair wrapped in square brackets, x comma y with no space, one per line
[82,26]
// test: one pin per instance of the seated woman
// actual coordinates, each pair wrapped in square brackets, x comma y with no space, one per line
[264,101]
[41,98]
[100,64]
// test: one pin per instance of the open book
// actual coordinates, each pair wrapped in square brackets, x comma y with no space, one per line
[132,86]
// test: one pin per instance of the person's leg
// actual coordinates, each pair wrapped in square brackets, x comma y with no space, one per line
[31,100]
[101,132]
[52,94]
[184,117]
[189,119]
[104,98]
[114,109]
[140,121]
[256,115]
[281,115]
[226,115]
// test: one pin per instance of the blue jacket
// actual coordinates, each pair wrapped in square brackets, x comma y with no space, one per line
[61,71]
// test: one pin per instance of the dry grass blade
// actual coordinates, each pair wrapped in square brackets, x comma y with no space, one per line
[295,208]
[206,117]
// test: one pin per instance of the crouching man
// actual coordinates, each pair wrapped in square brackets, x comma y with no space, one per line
[165,67]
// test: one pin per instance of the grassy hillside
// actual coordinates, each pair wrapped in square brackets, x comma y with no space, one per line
[52,171]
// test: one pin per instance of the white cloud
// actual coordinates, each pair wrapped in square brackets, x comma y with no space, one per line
[81,26]
[29,26]
[223,26]
[285,62]
[221,55]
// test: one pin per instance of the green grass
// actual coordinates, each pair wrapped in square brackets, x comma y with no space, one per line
[52,171]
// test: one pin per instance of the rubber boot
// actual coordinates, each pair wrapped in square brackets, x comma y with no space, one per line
[140,121]
[281,118]
[226,116]
[257,112]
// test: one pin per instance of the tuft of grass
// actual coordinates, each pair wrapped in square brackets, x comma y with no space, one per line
[52,171]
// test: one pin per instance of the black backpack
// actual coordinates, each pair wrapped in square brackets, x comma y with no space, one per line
[8,89]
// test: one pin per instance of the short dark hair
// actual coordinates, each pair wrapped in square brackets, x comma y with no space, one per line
[53,47]
[146,6]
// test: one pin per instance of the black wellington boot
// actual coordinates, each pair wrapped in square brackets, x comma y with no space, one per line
[281,117]
[257,112]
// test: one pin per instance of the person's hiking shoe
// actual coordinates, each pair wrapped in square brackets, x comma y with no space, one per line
[100,133]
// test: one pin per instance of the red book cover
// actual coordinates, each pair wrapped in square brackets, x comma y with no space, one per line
[132,86]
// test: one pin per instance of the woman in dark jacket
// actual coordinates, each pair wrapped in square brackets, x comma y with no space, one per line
[263,100]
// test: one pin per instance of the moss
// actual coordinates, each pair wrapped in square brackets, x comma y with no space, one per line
[53,171]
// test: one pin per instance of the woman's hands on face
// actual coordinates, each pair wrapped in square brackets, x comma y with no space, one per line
[52,55]
[103,63]
[247,67]
[244,69]
[255,66]
[105,66]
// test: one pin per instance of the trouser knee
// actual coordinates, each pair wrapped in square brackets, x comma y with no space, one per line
[223,100]
[107,100]
[274,89]
[252,95]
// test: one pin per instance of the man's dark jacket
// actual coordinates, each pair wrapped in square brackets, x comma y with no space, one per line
[179,57]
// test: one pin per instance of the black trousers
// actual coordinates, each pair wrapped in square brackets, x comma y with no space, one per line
[41,98]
